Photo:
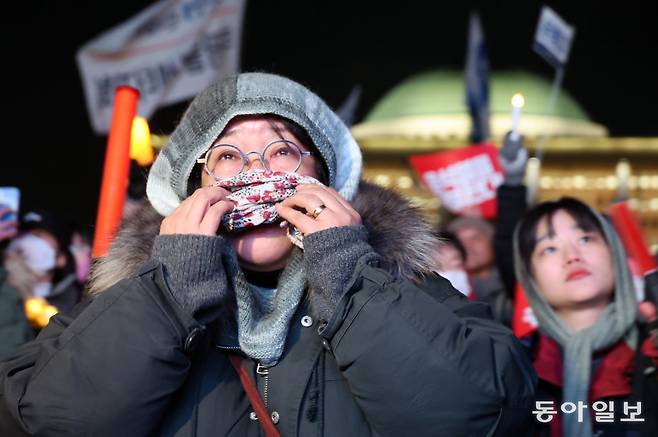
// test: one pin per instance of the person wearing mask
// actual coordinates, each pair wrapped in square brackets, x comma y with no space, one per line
[477,236]
[591,349]
[450,258]
[43,244]
[265,287]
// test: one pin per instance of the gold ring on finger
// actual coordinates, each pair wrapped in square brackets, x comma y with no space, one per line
[317,211]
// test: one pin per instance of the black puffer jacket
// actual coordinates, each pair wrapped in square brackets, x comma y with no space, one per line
[395,359]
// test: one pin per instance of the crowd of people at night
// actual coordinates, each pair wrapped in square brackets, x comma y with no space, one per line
[258,285]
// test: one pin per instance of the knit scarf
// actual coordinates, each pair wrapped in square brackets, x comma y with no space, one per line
[263,315]
[616,322]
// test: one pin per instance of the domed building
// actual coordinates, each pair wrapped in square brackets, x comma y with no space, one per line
[427,113]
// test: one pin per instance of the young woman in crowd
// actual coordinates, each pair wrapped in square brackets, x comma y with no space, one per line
[590,351]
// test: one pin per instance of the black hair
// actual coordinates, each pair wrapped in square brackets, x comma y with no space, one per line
[450,238]
[194,181]
[579,211]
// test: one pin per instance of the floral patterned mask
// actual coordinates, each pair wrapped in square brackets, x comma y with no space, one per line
[255,193]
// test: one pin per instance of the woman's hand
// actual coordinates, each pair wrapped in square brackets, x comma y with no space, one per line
[324,207]
[199,214]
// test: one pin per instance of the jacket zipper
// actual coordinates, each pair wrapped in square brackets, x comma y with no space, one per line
[261,370]
[265,373]
[232,348]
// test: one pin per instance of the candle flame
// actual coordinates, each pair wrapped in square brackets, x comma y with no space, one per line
[518,101]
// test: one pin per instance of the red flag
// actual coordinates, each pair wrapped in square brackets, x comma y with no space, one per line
[631,235]
[524,321]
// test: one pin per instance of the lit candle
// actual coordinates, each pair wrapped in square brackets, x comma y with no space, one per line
[517,103]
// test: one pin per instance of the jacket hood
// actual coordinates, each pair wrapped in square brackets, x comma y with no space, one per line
[251,94]
[396,231]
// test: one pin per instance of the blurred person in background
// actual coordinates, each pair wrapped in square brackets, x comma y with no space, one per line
[450,258]
[591,346]
[43,246]
[477,236]
[511,201]
[14,327]
[80,248]
[489,245]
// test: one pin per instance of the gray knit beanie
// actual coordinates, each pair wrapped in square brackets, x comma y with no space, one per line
[251,94]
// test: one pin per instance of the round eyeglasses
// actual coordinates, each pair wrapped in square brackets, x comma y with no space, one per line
[223,161]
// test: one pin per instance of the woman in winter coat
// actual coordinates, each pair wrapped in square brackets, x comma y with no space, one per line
[274,262]
[595,369]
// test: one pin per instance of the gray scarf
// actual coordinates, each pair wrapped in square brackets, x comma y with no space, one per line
[263,321]
[617,321]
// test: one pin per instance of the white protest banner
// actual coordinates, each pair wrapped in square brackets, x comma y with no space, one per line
[170,51]
[553,37]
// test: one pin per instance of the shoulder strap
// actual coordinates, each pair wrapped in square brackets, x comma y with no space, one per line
[254,397]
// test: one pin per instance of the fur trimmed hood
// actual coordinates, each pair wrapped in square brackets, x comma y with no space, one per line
[396,231]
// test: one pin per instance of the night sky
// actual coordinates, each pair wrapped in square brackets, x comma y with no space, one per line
[50,151]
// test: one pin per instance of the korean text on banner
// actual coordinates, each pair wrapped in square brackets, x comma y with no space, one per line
[462,179]
[170,51]
[553,38]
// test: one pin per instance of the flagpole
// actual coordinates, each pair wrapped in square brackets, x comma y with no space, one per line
[551,105]
[553,39]
[476,76]
[347,111]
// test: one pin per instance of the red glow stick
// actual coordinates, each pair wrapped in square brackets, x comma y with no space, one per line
[116,169]
[631,235]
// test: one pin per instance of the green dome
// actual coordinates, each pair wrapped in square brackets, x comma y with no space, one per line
[442,92]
